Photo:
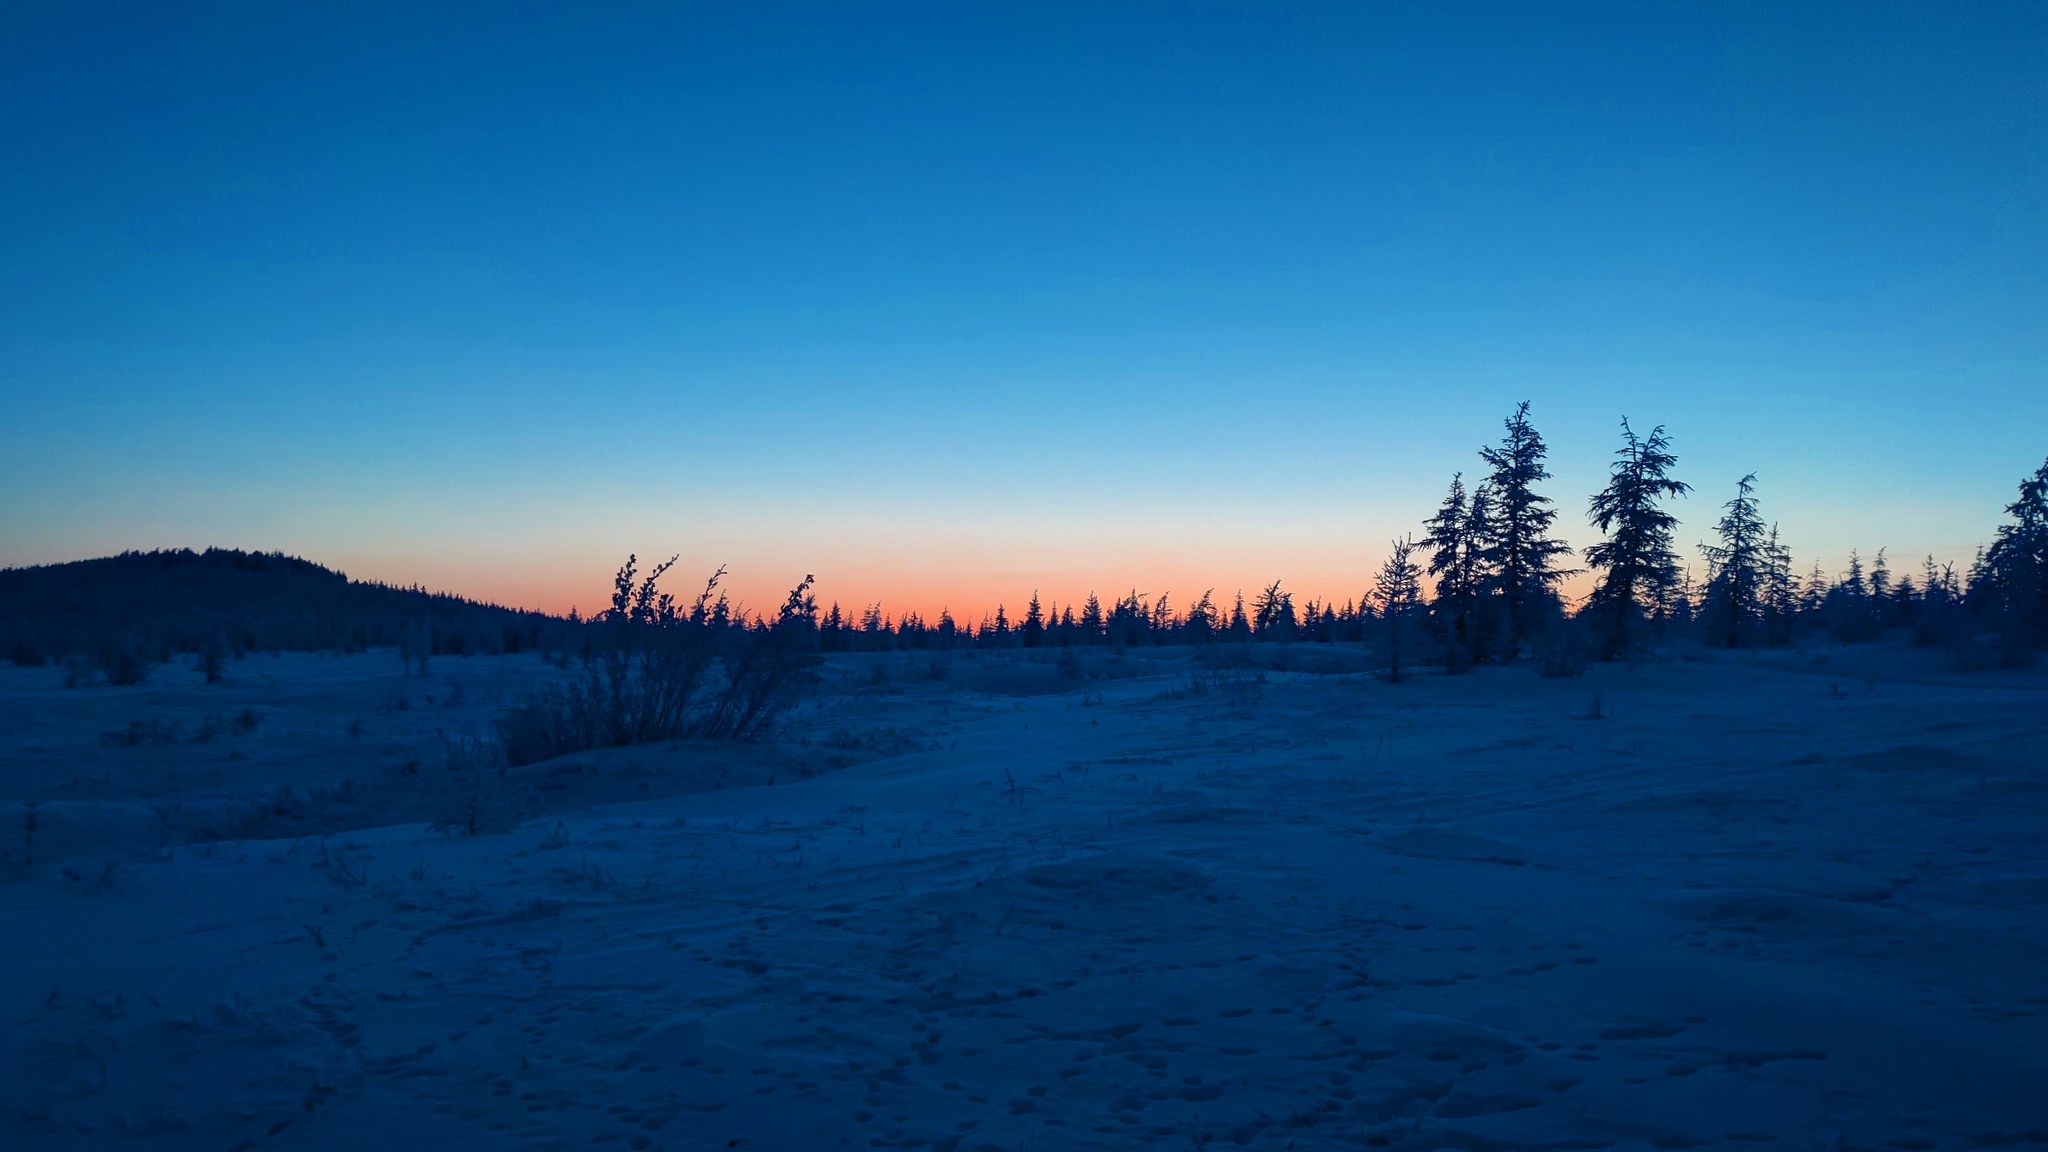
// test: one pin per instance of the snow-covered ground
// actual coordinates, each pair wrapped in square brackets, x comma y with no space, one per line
[1776,901]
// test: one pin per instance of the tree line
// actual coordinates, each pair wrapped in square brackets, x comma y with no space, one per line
[1481,584]
[116,616]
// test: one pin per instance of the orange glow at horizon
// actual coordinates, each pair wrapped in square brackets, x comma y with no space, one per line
[968,593]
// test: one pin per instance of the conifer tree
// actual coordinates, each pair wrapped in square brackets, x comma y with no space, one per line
[1814,596]
[1735,576]
[1033,628]
[1780,592]
[1457,538]
[1273,614]
[1396,592]
[1936,618]
[1091,620]
[1637,559]
[1852,584]
[1684,604]
[1240,627]
[1200,625]
[1880,592]
[2011,579]
[1520,554]
[1847,609]
[1484,624]
[1932,590]
[1162,621]
[1127,619]
[1445,534]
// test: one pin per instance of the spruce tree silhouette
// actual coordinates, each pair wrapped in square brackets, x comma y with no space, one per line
[1735,569]
[1273,615]
[1452,559]
[1091,620]
[1032,630]
[1640,565]
[1396,593]
[1200,625]
[1780,593]
[2012,577]
[1519,553]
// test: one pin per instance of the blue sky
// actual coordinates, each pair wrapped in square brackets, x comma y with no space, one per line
[944,303]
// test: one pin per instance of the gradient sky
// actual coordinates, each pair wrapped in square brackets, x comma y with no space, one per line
[944,303]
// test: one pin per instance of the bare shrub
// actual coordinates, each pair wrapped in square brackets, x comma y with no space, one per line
[487,803]
[655,670]
[212,659]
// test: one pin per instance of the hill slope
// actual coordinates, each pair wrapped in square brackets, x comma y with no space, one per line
[158,603]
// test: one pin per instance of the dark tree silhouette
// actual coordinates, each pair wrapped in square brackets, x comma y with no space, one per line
[120,615]
[1847,608]
[1091,620]
[1240,629]
[1736,568]
[1273,616]
[1639,565]
[2012,578]
[1452,553]
[1032,631]
[1780,591]
[1396,592]
[1813,595]
[1200,624]
[1520,554]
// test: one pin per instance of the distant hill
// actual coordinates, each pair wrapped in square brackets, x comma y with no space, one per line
[156,604]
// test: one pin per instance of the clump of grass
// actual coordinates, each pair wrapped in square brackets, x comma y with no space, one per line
[138,733]
[889,741]
[487,804]
[339,869]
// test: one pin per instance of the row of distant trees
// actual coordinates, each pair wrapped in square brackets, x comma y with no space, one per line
[1483,582]
[1498,567]
[119,615]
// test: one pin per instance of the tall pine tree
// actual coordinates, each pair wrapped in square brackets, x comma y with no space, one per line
[1736,568]
[2011,580]
[1033,628]
[1396,593]
[1520,554]
[1780,591]
[1639,565]
[1448,535]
